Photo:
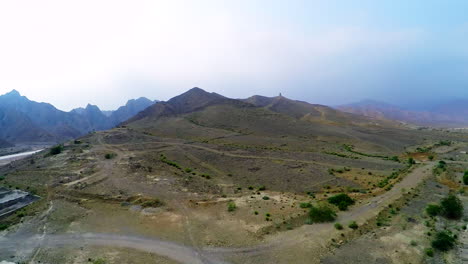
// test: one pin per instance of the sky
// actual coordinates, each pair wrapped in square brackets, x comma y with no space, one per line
[104,52]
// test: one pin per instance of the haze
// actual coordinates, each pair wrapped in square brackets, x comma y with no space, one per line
[71,53]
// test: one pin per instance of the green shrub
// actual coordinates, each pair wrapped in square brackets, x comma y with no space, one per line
[411,161]
[99,261]
[452,207]
[305,205]
[443,241]
[429,252]
[338,226]
[465,178]
[353,225]
[266,198]
[433,209]
[188,170]
[231,206]
[110,155]
[262,188]
[321,213]
[341,200]
[56,150]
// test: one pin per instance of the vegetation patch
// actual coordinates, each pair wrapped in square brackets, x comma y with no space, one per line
[56,150]
[342,201]
[321,213]
[110,155]
[145,201]
[443,241]
[231,206]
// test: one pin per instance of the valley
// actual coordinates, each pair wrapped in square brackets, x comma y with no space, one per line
[207,179]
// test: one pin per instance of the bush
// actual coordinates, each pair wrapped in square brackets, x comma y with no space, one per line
[110,155]
[452,208]
[305,205]
[353,225]
[56,150]
[465,178]
[321,213]
[338,226]
[433,209]
[443,241]
[429,252]
[99,261]
[231,206]
[341,200]
[411,161]
[266,198]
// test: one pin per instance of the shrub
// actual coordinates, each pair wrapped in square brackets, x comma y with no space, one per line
[321,213]
[429,252]
[411,161]
[452,207]
[266,198]
[262,188]
[338,226]
[353,225]
[231,206]
[431,157]
[110,155]
[56,150]
[305,205]
[341,200]
[433,209]
[99,261]
[443,241]
[188,170]
[465,178]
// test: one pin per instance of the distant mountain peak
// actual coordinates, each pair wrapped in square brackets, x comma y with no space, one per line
[13,93]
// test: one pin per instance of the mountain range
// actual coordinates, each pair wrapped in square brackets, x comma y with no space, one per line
[452,114]
[23,120]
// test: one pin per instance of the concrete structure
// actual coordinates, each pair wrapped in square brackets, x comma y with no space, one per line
[12,200]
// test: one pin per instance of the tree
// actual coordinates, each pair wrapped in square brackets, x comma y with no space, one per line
[452,207]
[443,241]
[433,209]
[56,150]
[341,200]
[321,213]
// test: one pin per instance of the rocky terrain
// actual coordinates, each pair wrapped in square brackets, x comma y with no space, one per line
[203,178]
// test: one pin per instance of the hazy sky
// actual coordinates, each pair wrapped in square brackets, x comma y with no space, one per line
[70,53]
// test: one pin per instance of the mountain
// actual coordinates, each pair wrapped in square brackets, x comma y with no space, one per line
[5,144]
[131,108]
[452,114]
[23,120]
[198,114]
